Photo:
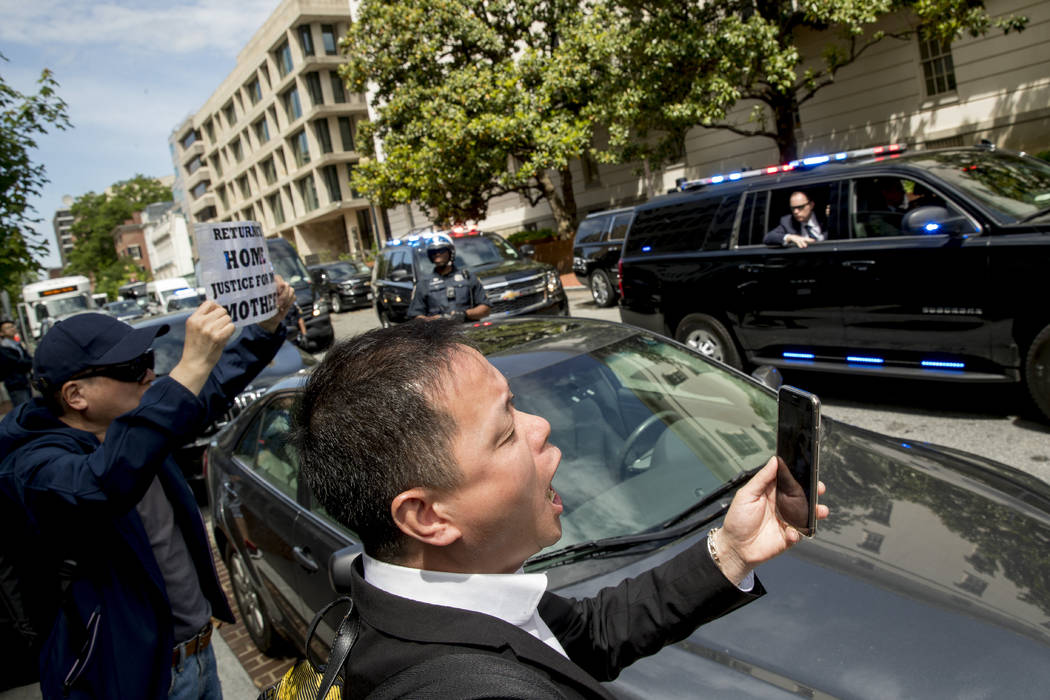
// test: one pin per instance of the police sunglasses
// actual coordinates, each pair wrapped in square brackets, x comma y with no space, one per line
[133,371]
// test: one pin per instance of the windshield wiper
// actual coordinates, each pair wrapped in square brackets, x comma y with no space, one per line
[670,530]
[1041,212]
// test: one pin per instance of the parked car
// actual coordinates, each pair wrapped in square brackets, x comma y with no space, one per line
[927,580]
[124,310]
[596,253]
[515,284]
[167,349]
[944,289]
[313,303]
[347,283]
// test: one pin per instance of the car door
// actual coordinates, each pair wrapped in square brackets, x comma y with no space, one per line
[259,494]
[399,283]
[909,298]
[786,301]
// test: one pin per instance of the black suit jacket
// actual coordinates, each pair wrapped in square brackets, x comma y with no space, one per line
[601,635]
[788,224]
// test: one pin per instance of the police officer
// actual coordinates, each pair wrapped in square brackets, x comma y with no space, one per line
[450,292]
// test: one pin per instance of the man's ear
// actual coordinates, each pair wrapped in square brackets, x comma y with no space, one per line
[72,395]
[415,514]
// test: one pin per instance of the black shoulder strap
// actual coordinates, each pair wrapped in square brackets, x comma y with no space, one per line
[468,676]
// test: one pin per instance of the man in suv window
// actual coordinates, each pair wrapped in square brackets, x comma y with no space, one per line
[799,228]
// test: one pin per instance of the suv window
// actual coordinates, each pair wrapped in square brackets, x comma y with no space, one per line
[401,260]
[619,226]
[591,229]
[678,227]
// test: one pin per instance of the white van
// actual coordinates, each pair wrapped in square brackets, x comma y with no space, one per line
[159,292]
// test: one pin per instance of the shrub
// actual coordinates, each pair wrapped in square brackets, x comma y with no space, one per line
[519,237]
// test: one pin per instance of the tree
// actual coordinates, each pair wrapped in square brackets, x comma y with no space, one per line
[22,119]
[94,218]
[476,99]
[683,63]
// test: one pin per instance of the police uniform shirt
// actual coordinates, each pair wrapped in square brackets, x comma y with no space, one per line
[457,291]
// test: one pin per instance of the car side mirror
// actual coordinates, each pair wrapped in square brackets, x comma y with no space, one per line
[932,220]
[400,275]
[769,375]
[340,565]
[528,250]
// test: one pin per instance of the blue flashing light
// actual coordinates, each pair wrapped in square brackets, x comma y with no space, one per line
[943,364]
[396,241]
[931,227]
[841,156]
[865,359]
[646,248]
[735,176]
[816,160]
[798,355]
[906,445]
[717,179]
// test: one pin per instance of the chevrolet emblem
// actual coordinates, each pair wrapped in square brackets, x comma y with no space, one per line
[510,295]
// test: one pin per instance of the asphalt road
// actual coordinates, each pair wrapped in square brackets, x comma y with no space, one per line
[996,421]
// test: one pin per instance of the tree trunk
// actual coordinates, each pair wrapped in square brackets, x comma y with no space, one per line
[562,201]
[785,109]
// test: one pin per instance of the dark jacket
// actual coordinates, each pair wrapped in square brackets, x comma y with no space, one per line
[78,499]
[601,635]
[432,293]
[790,225]
[15,365]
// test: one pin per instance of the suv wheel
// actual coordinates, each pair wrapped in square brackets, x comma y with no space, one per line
[384,319]
[250,604]
[709,337]
[1037,371]
[602,289]
[336,302]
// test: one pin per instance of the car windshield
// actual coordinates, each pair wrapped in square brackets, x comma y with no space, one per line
[1010,186]
[347,268]
[69,305]
[486,249]
[122,307]
[289,266]
[646,428]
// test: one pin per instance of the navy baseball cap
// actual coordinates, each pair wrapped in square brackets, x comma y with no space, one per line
[89,340]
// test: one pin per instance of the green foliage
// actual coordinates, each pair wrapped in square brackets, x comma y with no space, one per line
[478,98]
[22,119]
[1044,155]
[95,217]
[670,65]
[541,234]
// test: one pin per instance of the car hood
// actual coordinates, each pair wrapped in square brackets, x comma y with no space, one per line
[508,270]
[929,579]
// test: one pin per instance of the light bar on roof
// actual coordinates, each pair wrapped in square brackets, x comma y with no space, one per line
[893,150]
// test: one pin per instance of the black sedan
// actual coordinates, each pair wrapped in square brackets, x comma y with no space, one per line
[167,350]
[347,283]
[928,580]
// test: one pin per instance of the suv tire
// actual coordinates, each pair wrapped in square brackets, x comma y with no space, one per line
[1037,371]
[710,338]
[602,289]
[336,302]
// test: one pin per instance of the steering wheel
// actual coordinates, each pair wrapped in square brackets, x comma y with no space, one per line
[636,434]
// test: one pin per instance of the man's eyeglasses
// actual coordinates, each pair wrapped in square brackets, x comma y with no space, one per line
[130,371]
[800,207]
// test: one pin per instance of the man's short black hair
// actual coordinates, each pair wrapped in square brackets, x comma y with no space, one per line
[369,426]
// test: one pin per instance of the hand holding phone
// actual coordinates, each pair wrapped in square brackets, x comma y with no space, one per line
[798,447]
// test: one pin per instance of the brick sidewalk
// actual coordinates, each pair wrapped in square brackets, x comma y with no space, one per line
[262,669]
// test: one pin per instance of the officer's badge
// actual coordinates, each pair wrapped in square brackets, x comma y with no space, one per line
[458,277]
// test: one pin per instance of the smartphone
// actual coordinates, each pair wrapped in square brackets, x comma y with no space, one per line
[798,446]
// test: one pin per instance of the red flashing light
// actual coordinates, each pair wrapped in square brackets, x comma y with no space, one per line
[772,169]
[879,149]
[785,168]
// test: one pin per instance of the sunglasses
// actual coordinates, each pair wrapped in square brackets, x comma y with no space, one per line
[801,206]
[130,371]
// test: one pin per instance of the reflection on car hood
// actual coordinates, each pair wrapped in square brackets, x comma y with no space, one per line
[928,580]
[508,269]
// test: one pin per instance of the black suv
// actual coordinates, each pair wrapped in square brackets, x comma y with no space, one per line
[949,286]
[596,252]
[346,284]
[313,304]
[514,284]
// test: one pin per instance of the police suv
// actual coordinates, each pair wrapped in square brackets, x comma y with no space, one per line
[933,266]
[515,285]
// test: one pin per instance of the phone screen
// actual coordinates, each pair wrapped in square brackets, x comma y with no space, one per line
[798,430]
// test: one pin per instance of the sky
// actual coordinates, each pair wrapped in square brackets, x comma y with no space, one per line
[130,72]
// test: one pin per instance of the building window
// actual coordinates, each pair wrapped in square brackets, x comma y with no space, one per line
[338,89]
[207,214]
[269,171]
[246,190]
[135,252]
[331,180]
[306,40]
[872,541]
[276,208]
[222,198]
[262,131]
[293,109]
[308,191]
[938,69]
[230,114]
[210,129]
[199,189]
[350,181]
[194,165]
[880,511]
[324,139]
[328,39]
[300,148]
[346,133]
[283,58]
[265,74]
[249,213]
[254,91]
[238,152]
[313,87]
[216,165]
[191,138]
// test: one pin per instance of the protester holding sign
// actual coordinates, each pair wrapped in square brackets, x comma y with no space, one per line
[88,479]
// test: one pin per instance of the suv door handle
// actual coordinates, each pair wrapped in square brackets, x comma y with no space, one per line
[751,267]
[858,264]
[302,555]
[230,492]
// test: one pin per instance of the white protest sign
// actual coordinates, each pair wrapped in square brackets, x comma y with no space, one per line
[235,269]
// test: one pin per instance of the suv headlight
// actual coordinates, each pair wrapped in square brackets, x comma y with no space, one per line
[553,281]
[321,307]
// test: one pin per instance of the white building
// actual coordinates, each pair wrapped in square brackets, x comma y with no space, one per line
[169,241]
